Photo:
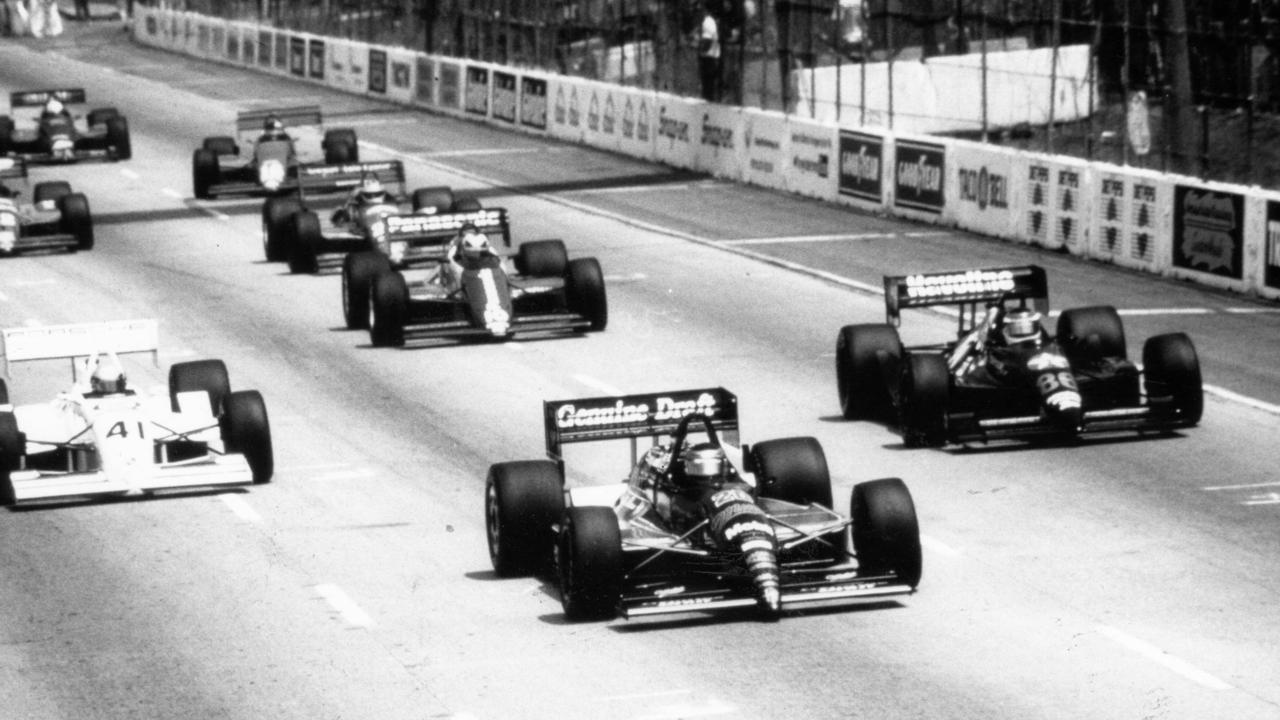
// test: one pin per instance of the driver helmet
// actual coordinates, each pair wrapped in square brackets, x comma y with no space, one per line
[273,127]
[54,106]
[473,243]
[703,464]
[107,378]
[1022,326]
[371,192]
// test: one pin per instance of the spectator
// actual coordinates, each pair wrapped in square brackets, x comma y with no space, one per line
[709,56]
[82,9]
[45,19]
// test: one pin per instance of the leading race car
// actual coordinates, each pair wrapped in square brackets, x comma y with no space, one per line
[1004,376]
[102,438]
[217,168]
[56,138]
[688,529]
[55,219]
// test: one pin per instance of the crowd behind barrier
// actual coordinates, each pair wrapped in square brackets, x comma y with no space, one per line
[1220,235]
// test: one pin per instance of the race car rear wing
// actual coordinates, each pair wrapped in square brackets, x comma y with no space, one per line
[12,167]
[248,120]
[635,416]
[444,227]
[321,176]
[56,342]
[965,287]
[36,98]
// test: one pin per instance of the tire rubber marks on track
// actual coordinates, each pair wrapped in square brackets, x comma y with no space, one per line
[1155,654]
[1270,497]
[346,608]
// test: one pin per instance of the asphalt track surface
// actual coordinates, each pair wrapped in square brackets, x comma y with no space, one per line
[1114,579]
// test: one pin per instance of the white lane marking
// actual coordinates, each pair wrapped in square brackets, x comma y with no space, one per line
[171,193]
[659,187]
[713,706]
[3,297]
[1245,486]
[839,237]
[1139,312]
[485,151]
[936,545]
[643,695]
[1155,654]
[129,173]
[241,508]
[1254,403]
[600,385]
[210,211]
[630,277]
[346,607]
[1270,498]
[1252,311]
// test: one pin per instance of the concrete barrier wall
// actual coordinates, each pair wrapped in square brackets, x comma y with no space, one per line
[1219,235]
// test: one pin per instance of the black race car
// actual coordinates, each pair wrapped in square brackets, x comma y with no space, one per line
[54,219]
[689,529]
[55,137]
[1003,376]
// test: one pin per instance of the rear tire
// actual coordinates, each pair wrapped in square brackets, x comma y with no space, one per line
[439,197]
[522,501]
[1089,334]
[358,271]
[924,395]
[1172,370]
[12,448]
[590,563]
[118,137]
[246,430]
[585,293]
[306,243]
[77,221]
[466,204]
[542,258]
[886,533]
[861,354]
[51,190]
[390,296]
[793,470]
[340,146]
[277,223]
[209,376]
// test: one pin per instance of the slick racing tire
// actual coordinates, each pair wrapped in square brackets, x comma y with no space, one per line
[220,145]
[862,354]
[118,137]
[439,197]
[4,393]
[11,451]
[1172,370]
[306,243]
[245,430]
[924,395]
[390,305]
[589,563]
[76,220]
[585,293]
[358,271]
[99,116]
[6,133]
[50,190]
[208,376]
[466,204]
[340,146]
[542,258]
[522,502]
[886,533]
[277,224]
[205,173]
[792,469]
[1089,334]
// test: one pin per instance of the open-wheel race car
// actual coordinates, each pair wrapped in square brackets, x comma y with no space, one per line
[1004,375]
[54,219]
[101,438]
[463,287]
[54,135]
[689,529]
[218,168]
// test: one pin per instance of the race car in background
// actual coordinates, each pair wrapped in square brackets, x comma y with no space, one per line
[54,219]
[988,384]
[418,284]
[759,533]
[270,167]
[54,137]
[100,438]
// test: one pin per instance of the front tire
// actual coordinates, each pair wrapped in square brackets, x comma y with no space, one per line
[209,376]
[246,430]
[12,448]
[306,243]
[924,396]
[585,293]
[340,146]
[390,296]
[542,258]
[118,137]
[1089,334]
[358,271]
[886,533]
[77,221]
[277,223]
[439,197]
[205,173]
[1172,370]
[522,501]
[862,352]
[589,562]
[792,469]
[53,190]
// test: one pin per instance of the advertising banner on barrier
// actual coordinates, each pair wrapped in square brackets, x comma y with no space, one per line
[236,50]
[861,167]
[315,58]
[476,96]
[1271,248]
[400,81]
[677,132]
[426,82]
[1208,231]
[298,56]
[450,86]
[505,97]
[919,176]
[598,115]
[812,162]
[636,130]
[1129,228]
[378,71]
[532,114]
[764,133]
[264,50]
[568,118]
[1056,203]
[719,149]
[983,177]
[217,40]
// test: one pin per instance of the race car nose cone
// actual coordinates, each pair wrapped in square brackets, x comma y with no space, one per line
[1064,410]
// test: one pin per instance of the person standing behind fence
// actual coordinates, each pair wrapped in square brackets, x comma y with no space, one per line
[709,56]
[45,19]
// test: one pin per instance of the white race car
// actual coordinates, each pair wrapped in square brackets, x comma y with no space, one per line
[102,438]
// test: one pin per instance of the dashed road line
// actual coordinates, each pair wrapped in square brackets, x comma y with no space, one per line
[1233,396]
[209,211]
[837,237]
[241,508]
[936,545]
[595,384]
[1245,486]
[1155,654]
[171,193]
[351,613]
[132,175]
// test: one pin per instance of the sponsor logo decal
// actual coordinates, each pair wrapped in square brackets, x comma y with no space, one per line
[973,282]
[570,415]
